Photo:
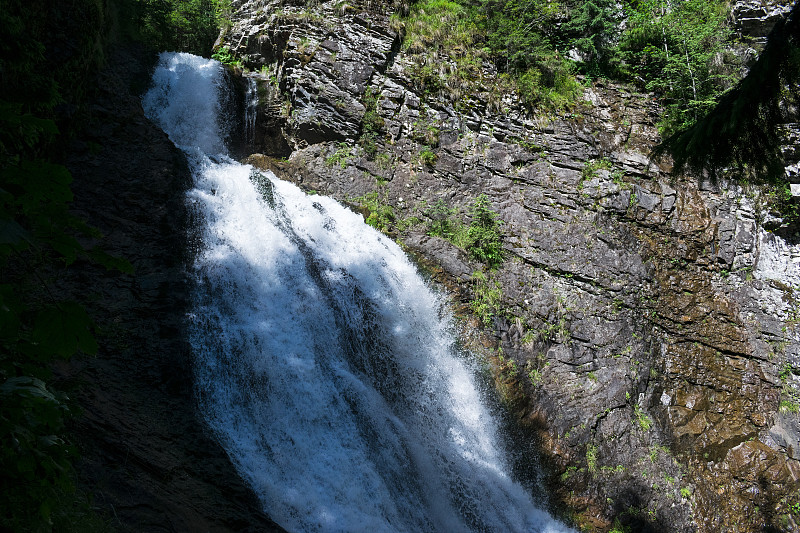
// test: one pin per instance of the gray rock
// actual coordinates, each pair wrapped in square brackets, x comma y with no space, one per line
[632,293]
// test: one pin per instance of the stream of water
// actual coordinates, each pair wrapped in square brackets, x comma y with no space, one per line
[324,364]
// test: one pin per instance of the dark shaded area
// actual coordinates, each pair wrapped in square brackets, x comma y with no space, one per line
[145,453]
[630,511]
[267,135]
[741,133]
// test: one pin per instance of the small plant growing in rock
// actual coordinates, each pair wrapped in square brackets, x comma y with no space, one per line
[591,167]
[645,422]
[591,458]
[304,44]
[686,493]
[486,303]
[534,375]
[618,527]
[568,473]
[369,145]
[384,161]
[508,367]
[340,157]
[371,123]
[381,215]
[427,157]
[425,133]
[788,406]
[552,330]
[617,176]
[226,57]
[790,403]
[441,220]
[484,233]
[528,144]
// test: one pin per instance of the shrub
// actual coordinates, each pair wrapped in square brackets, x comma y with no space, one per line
[371,123]
[484,233]
[226,57]
[486,303]
[340,157]
[381,214]
[427,157]
[441,222]
[550,85]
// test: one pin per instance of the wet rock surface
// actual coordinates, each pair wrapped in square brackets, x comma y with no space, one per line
[146,455]
[648,325]
[754,19]
[313,66]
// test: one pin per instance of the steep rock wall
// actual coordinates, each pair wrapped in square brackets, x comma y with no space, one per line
[647,325]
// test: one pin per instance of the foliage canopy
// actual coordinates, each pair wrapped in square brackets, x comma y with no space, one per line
[676,49]
[741,131]
[683,51]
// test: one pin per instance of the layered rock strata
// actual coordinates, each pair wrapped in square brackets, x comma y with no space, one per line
[647,324]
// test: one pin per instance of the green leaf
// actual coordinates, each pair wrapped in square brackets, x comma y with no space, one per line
[64,329]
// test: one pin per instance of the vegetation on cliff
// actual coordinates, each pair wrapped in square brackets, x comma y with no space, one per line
[677,50]
[685,53]
[41,77]
[740,131]
[180,25]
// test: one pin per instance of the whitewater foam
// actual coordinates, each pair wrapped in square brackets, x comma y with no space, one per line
[323,362]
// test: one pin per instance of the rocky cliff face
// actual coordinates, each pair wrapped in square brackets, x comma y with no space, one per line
[646,326]
[753,19]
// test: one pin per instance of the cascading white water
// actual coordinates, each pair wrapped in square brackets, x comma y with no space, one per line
[323,362]
[250,110]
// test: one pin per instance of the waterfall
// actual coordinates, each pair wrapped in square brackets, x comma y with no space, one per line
[323,363]
[250,111]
